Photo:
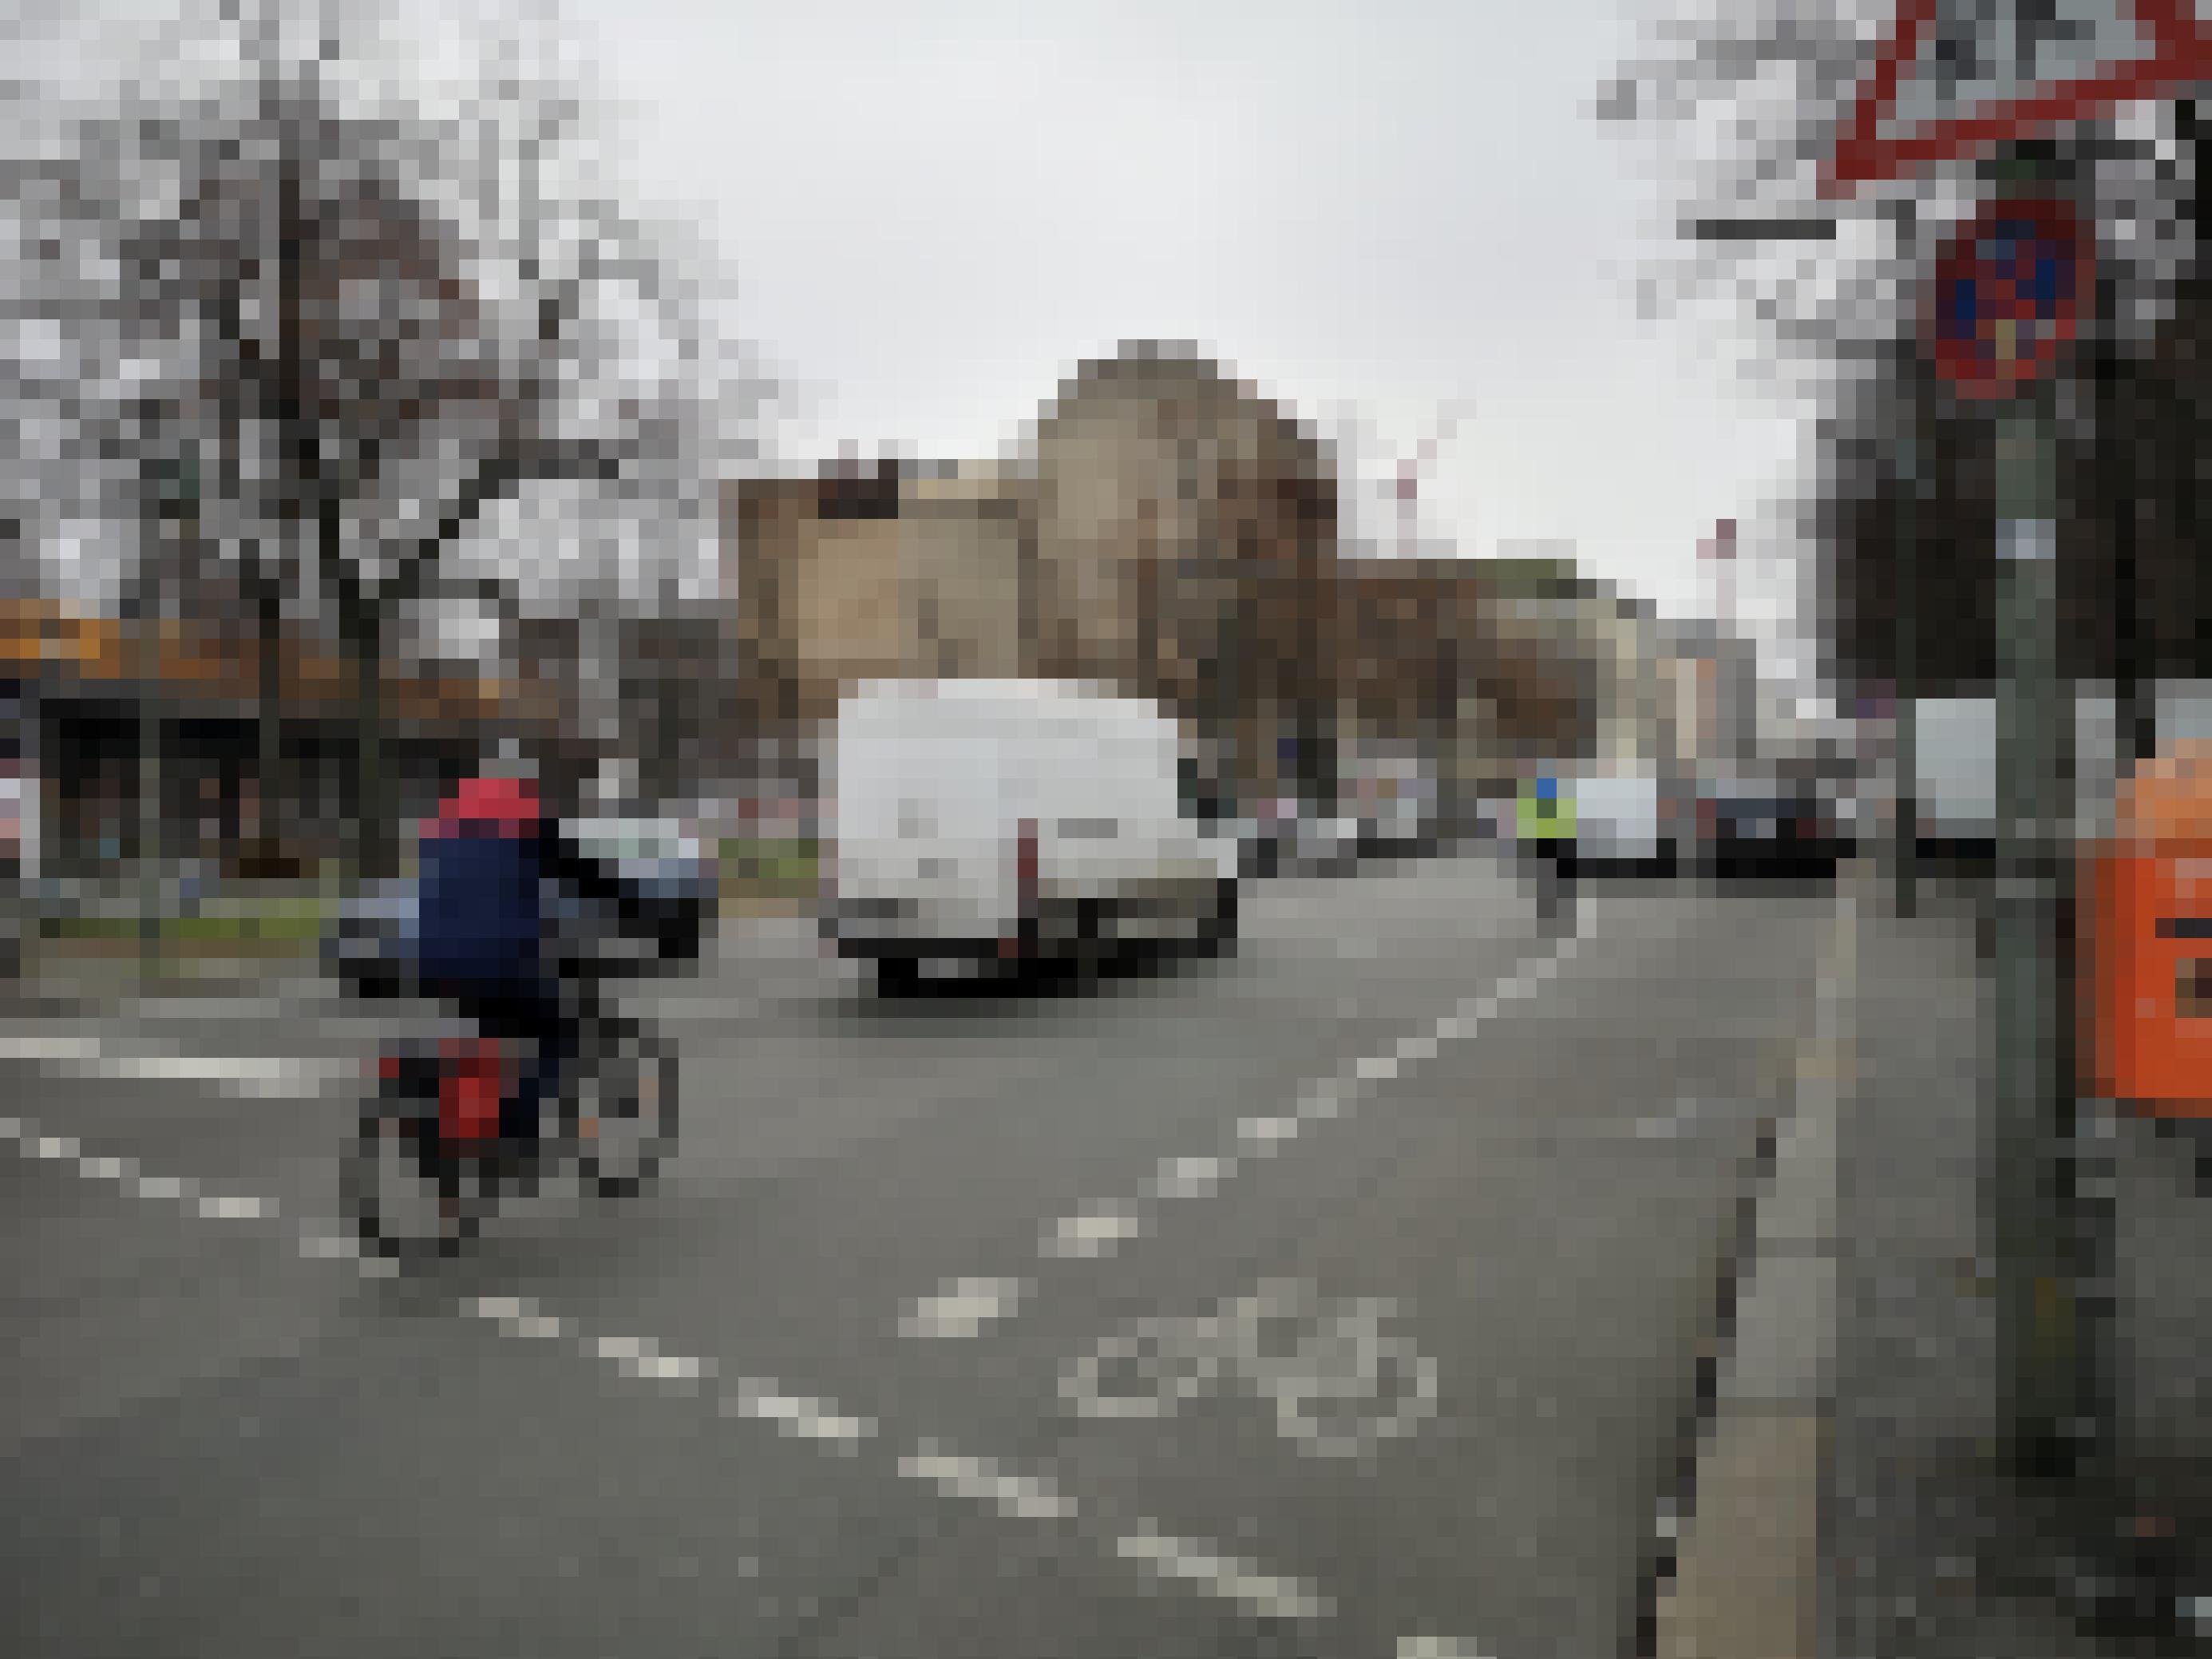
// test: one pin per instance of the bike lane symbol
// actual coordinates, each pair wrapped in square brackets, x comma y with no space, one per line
[1341,1381]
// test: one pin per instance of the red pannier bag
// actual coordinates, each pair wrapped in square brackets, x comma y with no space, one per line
[472,1084]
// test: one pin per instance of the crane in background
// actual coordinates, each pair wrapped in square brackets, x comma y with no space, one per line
[1405,484]
[1372,493]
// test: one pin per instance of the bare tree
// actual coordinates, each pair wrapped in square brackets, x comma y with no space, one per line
[1736,107]
[375,330]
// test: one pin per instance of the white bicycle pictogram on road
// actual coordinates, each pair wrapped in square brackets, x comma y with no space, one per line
[1341,1381]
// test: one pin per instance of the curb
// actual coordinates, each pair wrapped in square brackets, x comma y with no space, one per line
[1734,1564]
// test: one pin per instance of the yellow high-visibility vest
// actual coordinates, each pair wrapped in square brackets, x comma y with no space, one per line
[1546,820]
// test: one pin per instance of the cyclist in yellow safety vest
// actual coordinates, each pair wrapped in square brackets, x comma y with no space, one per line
[1546,829]
[1546,811]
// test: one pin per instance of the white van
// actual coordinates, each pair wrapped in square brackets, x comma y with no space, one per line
[1617,822]
[1003,821]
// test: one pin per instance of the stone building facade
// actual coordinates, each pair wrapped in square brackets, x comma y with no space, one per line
[1171,533]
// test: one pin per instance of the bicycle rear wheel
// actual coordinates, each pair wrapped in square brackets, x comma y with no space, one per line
[408,1199]
[623,1106]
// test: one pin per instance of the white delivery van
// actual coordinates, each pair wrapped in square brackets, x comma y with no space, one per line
[1617,823]
[1006,821]
[1955,745]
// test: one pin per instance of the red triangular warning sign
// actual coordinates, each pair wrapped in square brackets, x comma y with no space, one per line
[1960,75]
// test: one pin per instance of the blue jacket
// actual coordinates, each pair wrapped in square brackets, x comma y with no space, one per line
[483,921]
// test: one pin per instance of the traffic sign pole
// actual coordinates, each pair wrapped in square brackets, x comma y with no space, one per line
[2010,292]
[1905,683]
[1996,79]
[2046,1410]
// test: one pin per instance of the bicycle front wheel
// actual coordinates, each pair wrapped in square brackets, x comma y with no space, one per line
[625,1111]
[1390,1393]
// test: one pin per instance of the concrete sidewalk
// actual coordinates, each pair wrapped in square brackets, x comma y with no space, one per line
[1843,1501]
[1737,1546]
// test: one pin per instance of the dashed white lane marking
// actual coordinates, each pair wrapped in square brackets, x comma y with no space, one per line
[1094,1234]
[963,1307]
[1016,1495]
[1224,1576]
[980,1481]
[256,1075]
[123,1172]
[1671,1124]
[517,1318]
[1437,1647]
[795,1416]
[1102,1228]
[1189,1177]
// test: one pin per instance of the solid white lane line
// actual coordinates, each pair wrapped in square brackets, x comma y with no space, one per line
[48,1048]
[963,1307]
[1437,1647]
[258,1075]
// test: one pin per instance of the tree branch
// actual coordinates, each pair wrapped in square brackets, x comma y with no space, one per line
[496,476]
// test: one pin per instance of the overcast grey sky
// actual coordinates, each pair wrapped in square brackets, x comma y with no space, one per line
[933,212]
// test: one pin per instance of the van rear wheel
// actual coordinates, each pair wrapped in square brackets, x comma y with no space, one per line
[1219,937]
[897,976]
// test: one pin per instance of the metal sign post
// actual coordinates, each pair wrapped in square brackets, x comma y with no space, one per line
[1905,683]
[2010,290]
[1960,79]
[2043,1414]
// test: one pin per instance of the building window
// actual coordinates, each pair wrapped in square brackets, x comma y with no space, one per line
[857,495]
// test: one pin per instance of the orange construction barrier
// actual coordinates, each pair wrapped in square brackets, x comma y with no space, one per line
[2147,945]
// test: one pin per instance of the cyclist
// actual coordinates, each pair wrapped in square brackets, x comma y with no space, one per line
[487,936]
[1545,822]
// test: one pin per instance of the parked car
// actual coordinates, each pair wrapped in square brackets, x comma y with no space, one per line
[370,945]
[1262,844]
[1762,827]
[1402,827]
[1004,822]
[648,898]
[650,893]
[1323,844]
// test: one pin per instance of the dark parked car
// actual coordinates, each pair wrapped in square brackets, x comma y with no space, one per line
[371,944]
[649,895]
[1769,832]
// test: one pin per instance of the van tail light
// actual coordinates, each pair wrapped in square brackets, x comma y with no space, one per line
[1026,860]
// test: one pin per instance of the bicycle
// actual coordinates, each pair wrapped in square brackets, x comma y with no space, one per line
[427,1166]
[1339,1381]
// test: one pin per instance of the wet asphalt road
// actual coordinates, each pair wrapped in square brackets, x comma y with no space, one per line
[1338,1297]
